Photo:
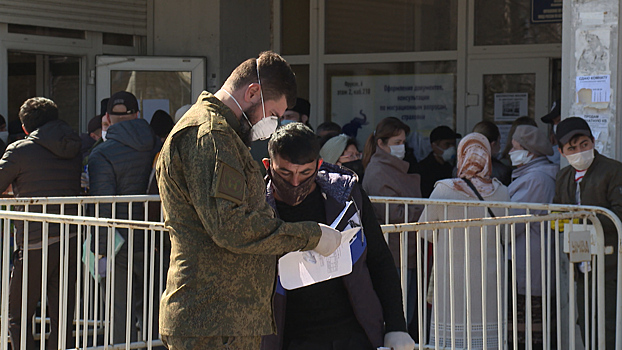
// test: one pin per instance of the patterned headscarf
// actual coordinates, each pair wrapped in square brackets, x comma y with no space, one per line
[474,163]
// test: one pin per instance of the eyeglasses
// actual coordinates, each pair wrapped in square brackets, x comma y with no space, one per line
[349,157]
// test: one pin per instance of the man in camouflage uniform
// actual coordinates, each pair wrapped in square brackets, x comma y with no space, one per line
[225,239]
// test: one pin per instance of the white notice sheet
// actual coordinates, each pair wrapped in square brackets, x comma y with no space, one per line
[300,269]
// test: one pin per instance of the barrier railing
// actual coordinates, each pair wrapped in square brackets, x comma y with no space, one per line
[88,301]
[95,317]
[557,276]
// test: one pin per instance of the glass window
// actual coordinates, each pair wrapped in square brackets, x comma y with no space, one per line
[61,84]
[64,88]
[368,26]
[302,79]
[46,31]
[509,23]
[421,94]
[154,90]
[295,27]
[118,39]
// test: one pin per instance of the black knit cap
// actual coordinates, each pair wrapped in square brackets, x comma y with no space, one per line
[103,107]
[94,124]
[161,123]
[302,106]
[443,133]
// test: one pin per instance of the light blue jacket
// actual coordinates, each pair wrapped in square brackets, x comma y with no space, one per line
[533,182]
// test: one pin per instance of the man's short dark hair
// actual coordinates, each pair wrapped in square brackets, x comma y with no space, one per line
[277,77]
[329,129]
[296,143]
[37,111]
[488,129]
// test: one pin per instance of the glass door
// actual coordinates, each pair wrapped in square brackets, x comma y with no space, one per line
[502,90]
[53,76]
[166,83]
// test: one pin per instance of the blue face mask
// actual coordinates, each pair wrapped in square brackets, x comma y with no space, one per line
[286,121]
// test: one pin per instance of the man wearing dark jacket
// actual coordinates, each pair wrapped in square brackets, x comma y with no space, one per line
[45,163]
[362,310]
[591,179]
[121,166]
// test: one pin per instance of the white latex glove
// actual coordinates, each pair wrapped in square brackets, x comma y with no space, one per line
[329,242]
[399,341]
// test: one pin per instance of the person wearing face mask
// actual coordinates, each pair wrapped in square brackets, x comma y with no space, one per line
[591,179]
[343,150]
[533,181]
[439,164]
[386,174]
[500,171]
[362,310]
[473,182]
[299,113]
[225,240]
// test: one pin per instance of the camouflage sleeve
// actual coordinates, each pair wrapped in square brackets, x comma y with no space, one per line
[231,202]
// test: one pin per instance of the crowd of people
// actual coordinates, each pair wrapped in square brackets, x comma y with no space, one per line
[232,213]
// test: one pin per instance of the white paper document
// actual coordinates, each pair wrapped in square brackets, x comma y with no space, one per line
[300,269]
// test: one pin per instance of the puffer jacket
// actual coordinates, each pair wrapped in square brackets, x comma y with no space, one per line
[121,166]
[47,163]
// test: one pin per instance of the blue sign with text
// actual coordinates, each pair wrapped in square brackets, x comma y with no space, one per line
[546,11]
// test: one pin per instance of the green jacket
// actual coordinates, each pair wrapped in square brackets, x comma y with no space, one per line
[602,187]
[224,237]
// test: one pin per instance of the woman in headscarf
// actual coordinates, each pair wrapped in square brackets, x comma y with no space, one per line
[473,175]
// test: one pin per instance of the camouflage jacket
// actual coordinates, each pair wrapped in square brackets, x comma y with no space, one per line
[224,237]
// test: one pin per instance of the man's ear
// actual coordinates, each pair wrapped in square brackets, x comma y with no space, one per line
[560,152]
[252,93]
[266,163]
[304,118]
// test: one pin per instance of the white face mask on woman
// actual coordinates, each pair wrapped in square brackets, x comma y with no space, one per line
[398,151]
[582,160]
[520,157]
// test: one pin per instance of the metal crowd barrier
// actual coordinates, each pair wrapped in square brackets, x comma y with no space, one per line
[93,320]
[558,274]
[94,317]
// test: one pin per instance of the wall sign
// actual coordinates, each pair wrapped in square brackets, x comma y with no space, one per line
[546,11]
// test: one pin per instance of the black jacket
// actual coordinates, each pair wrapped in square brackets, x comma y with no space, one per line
[47,163]
[121,166]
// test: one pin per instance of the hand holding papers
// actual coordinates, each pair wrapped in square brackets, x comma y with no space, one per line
[300,269]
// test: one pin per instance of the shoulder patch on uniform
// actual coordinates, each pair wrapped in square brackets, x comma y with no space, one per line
[230,183]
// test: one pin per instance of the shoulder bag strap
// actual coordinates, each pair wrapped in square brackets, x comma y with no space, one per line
[468,182]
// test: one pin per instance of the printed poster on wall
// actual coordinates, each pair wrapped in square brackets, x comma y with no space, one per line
[510,106]
[422,101]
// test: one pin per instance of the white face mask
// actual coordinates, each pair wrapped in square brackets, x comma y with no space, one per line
[264,128]
[104,132]
[4,136]
[398,150]
[582,160]
[449,155]
[520,157]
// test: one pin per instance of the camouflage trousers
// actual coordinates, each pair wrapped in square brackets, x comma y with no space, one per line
[215,343]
